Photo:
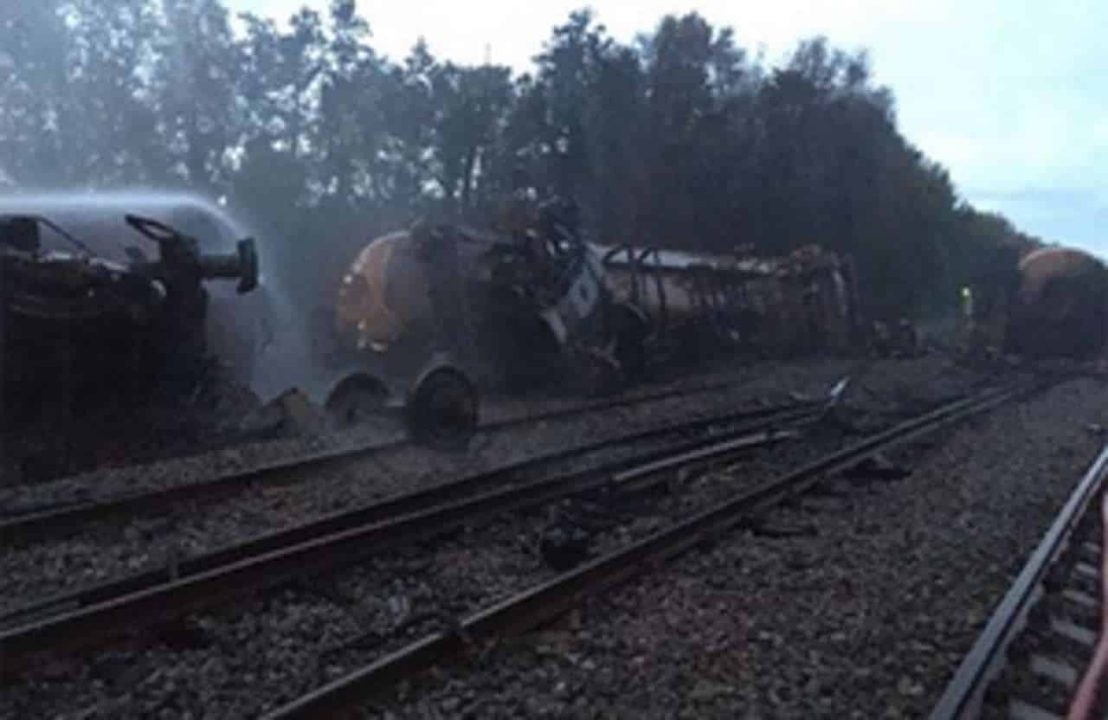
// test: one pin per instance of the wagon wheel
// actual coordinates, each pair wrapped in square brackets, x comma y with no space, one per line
[442,410]
[356,399]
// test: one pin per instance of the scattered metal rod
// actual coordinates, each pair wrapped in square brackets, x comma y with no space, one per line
[311,549]
[547,600]
[966,691]
[68,517]
[633,477]
[612,403]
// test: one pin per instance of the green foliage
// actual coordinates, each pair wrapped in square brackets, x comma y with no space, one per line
[679,140]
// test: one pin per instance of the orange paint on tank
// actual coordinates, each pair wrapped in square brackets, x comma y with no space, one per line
[1061,308]
[383,293]
[1038,267]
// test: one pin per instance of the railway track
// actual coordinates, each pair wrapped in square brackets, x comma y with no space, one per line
[1044,651]
[92,614]
[65,518]
[545,601]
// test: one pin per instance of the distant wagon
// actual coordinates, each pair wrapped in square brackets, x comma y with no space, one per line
[1061,306]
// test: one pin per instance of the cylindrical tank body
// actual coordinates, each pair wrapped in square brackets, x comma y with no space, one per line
[1061,308]
[384,296]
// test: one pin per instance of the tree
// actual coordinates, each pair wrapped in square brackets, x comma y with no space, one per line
[34,44]
[678,140]
[472,104]
[694,88]
[109,119]
[195,81]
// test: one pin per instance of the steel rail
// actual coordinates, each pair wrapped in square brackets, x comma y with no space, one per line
[69,517]
[547,600]
[406,503]
[1094,679]
[329,544]
[965,691]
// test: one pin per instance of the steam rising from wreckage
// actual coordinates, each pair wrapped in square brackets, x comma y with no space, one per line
[106,295]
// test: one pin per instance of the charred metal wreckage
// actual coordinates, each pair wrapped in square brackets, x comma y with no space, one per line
[444,309]
[541,306]
[93,305]
[100,298]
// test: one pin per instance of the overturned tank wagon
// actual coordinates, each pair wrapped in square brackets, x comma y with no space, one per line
[698,303]
[102,301]
[1060,309]
[540,306]
[472,309]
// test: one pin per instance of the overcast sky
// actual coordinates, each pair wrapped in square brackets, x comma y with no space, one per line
[1010,95]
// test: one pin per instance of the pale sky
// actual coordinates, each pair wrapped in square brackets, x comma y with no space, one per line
[1010,95]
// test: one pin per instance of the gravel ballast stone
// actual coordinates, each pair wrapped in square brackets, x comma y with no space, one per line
[236,662]
[113,548]
[866,617]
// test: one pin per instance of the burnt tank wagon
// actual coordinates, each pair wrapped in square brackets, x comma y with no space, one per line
[697,302]
[476,309]
[541,306]
[101,297]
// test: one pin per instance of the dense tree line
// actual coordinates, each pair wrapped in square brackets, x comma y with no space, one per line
[681,139]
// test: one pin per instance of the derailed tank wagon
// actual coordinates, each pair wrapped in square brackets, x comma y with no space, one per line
[698,303]
[1060,308]
[543,307]
[133,298]
[477,310]
[99,304]
[1038,303]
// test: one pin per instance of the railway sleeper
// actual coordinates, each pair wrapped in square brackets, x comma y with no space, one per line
[568,539]
[541,603]
[1023,684]
[1059,636]
[1089,552]
[1063,673]
[1074,603]
[1077,598]
[345,545]
[1050,645]
[1073,569]
[1078,634]
[1075,579]
[1018,710]
[1038,640]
